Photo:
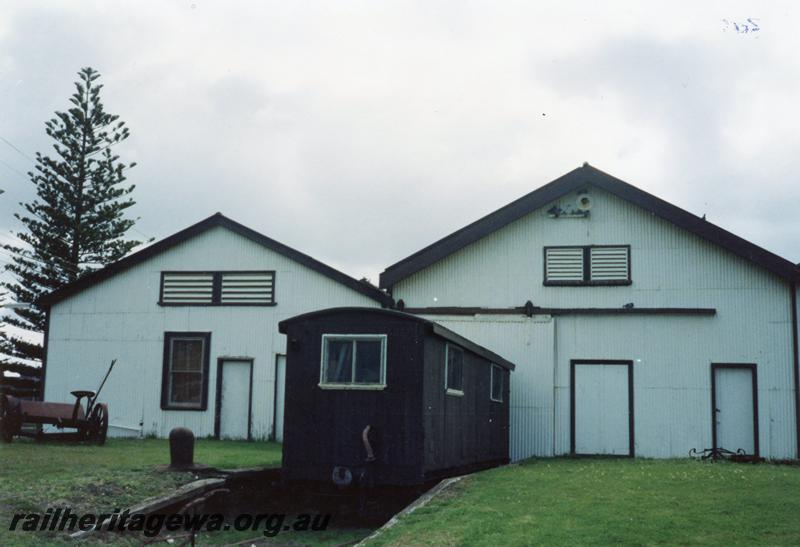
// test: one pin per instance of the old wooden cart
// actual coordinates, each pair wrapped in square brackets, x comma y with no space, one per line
[90,423]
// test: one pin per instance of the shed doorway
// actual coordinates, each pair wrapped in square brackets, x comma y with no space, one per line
[234,398]
[734,412]
[601,401]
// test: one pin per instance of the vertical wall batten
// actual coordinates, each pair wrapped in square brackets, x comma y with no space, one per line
[795,367]
[45,341]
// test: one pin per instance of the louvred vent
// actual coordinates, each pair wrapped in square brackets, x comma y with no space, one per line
[609,263]
[564,264]
[247,288]
[187,288]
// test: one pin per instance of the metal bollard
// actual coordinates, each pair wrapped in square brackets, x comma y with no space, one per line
[181,448]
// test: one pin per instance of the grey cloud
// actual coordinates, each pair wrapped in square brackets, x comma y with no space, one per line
[689,91]
[360,133]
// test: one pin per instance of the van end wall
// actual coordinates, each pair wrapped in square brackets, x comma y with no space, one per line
[323,427]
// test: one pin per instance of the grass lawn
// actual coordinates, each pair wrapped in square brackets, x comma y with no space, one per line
[566,501]
[36,476]
[558,501]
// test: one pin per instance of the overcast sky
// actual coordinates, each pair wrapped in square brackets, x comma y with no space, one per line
[359,132]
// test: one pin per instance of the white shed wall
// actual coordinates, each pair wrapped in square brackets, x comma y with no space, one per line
[669,266]
[120,318]
[672,354]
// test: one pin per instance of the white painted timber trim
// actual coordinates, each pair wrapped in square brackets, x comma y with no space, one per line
[353,386]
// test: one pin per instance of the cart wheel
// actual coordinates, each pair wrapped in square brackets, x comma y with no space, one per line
[7,423]
[99,424]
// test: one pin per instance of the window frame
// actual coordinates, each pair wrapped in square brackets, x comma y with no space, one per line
[449,390]
[587,281]
[166,372]
[383,338]
[216,295]
[491,383]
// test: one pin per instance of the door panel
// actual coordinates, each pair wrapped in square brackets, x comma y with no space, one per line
[734,411]
[602,410]
[234,418]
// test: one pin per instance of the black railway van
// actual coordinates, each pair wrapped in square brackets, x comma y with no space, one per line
[377,397]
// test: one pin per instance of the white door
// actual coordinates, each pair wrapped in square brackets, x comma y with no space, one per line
[734,409]
[602,409]
[280,388]
[234,410]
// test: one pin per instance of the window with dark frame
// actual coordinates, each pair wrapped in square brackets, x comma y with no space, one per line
[185,371]
[217,288]
[496,387]
[587,265]
[353,361]
[454,370]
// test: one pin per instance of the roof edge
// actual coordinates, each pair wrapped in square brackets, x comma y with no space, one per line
[215,220]
[571,181]
[473,231]
[432,326]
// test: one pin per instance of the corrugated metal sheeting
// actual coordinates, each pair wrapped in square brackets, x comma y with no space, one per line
[120,318]
[672,354]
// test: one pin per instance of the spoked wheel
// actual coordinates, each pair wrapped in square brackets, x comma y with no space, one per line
[99,424]
[8,426]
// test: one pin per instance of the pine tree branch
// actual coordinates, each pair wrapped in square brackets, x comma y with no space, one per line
[77,220]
